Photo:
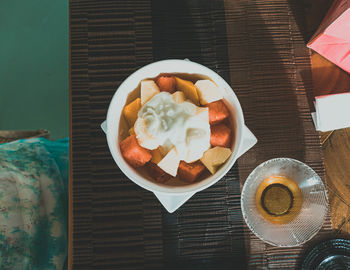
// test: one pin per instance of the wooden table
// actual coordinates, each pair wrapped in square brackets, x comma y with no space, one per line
[328,78]
[336,150]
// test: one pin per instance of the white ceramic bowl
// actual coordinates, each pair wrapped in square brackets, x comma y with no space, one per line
[174,196]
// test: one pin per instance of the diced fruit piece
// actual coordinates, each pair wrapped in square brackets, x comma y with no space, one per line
[130,111]
[148,89]
[182,150]
[132,131]
[156,156]
[214,157]
[189,107]
[166,83]
[178,97]
[217,112]
[166,147]
[157,173]
[163,150]
[201,139]
[207,91]
[123,127]
[220,135]
[189,172]
[203,113]
[188,88]
[170,162]
[133,153]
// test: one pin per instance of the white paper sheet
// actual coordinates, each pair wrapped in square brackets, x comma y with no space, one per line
[332,112]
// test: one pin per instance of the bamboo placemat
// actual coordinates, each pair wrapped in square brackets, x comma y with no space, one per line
[257,47]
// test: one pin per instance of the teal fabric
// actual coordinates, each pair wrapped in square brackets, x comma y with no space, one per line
[33,204]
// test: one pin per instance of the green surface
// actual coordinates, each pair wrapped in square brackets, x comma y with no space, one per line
[34,66]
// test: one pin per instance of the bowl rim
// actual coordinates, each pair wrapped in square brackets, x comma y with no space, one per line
[157,68]
[245,186]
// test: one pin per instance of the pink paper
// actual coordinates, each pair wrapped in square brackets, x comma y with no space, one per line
[332,40]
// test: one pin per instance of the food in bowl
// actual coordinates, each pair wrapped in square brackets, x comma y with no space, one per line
[179,129]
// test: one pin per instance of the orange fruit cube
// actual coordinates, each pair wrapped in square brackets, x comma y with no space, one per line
[157,173]
[133,153]
[217,112]
[189,172]
[220,135]
[166,83]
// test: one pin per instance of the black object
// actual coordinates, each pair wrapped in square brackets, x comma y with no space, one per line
[332,254]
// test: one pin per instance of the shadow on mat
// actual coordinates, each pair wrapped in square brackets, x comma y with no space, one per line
[235,39]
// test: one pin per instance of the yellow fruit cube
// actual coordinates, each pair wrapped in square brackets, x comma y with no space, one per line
[156,156]
[130,111]
[208,91]
[178,97]
[203,112]
[170,162]
[166,147]
[132,131]
[148,89]
[188,88]
[214,157]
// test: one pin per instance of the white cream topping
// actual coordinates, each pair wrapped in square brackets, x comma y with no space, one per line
[180,126]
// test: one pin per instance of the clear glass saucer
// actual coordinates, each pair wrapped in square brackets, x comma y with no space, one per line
[313,209]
